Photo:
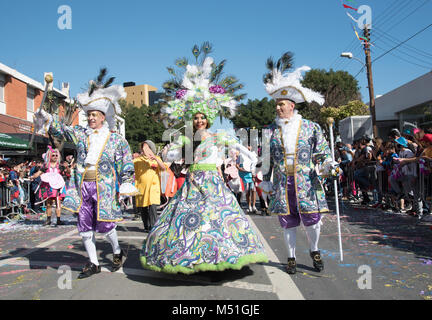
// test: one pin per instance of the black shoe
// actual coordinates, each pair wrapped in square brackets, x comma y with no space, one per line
[59,222]
[419,216]
[317,261]
[89,270]
[117,261]
[291,267]
[47,222]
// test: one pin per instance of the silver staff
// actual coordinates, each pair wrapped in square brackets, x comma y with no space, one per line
[330,122]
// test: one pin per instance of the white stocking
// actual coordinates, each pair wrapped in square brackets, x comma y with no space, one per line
[313,233]
[89,241]
[113,239]
[290,241]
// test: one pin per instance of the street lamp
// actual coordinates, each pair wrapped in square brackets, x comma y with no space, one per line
[349,55]
[368,66]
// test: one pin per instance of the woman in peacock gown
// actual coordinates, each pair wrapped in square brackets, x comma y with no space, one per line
[203,228]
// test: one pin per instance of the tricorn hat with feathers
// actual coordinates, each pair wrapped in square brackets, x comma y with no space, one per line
[103,97]
[281,84]
[200,88]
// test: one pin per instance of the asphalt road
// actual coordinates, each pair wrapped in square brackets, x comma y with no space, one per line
[386,256]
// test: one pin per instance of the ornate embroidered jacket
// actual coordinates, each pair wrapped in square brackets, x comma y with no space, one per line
[309,149]
[113,163]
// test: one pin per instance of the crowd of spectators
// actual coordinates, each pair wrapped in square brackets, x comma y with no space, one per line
[391,174]
[18,188]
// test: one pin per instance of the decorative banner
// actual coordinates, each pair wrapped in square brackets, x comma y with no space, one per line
[363,21]
[348,7]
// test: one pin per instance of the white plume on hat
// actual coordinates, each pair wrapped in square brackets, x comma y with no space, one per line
[288,86]
[104,100]
[281,84]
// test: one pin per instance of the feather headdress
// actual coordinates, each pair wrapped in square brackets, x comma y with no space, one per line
[200,88]
[281,84]
[101,96]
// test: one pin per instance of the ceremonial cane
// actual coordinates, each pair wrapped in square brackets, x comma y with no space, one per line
[330,122]
[48,79]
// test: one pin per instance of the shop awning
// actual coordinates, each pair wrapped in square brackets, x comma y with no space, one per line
[9,142]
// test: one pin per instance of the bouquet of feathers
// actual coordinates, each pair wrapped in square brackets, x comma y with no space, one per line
[281,84]
[199,88]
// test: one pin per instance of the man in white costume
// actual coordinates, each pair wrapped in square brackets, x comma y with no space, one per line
[104,162]
[299,153]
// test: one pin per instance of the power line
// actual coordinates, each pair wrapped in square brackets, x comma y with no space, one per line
[339,62]
[395,47]
[395,40]
[401,58]
[392,15]
[417,33]
[402,51]
[399,21]
[406,17]
[356,45]
[383,18]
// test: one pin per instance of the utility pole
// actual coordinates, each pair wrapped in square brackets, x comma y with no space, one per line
[370,80]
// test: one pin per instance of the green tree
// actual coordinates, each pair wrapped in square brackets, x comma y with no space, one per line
[142,124]
[338,87]
[352,108]
[255,114]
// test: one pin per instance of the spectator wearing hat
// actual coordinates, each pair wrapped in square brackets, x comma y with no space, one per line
[394,134]
[147,179]
[407,177]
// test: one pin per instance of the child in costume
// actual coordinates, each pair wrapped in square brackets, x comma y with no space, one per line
[203,227]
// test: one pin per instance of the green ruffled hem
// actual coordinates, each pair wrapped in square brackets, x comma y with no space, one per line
[242,261]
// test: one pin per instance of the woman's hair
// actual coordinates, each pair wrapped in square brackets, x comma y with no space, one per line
[48,156]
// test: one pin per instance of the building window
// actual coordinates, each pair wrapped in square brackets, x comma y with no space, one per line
[2,85]
[30,99]
[2,94]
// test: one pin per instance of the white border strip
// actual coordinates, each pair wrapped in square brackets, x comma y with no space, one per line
[284,286]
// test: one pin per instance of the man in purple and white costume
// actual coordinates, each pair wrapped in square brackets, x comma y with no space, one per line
[104,159]
[299,153]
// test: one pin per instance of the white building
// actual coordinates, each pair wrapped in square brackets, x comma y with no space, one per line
[412,102]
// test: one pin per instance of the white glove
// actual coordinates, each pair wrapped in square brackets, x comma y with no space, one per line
[329,168]
[42,121]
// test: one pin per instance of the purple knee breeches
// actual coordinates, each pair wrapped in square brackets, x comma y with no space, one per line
[294,218]
[87,215]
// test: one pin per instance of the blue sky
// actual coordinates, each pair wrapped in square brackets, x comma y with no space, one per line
[137,40]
